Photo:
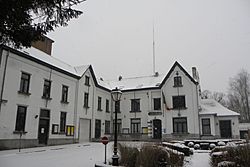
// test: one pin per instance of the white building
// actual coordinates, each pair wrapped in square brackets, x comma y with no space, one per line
[44,101]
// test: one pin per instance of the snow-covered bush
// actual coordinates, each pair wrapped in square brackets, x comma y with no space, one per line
[221,143]
[212,146]
[191,144]
[197,146]
[239,155]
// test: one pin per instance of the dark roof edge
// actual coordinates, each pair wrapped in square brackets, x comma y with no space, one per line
[38,61]
[140,89]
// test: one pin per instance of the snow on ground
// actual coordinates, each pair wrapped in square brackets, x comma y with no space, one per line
[74,155]
[200,158]
[78,155]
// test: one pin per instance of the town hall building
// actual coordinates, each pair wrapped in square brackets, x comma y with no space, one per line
[44,101]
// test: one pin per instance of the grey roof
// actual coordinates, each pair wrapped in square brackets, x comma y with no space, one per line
[212,107]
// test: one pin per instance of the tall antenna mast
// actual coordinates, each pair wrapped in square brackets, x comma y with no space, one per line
[153,49]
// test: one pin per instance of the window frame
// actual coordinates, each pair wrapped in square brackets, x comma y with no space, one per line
[107,127]
[64,98]
[46,95]
[63,120]
[86,100]
[157,108]
[99,103]
[206,125]
[180,104]
[24,83]
[20,118]
[107,106]
[87,79]
[180,127]
[135,125]
[135,105]
[178,81]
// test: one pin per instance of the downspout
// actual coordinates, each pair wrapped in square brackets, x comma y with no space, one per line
[197,95]
[75,111]
[92,119]
[3,82]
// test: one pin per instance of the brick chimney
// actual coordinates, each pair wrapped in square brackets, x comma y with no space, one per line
[44,45]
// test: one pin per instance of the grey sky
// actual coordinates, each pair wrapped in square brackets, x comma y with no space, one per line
[115,36]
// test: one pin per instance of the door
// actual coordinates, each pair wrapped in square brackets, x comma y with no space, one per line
[225,129]
[97,128]
[43,128]
[84,130]
[157,132]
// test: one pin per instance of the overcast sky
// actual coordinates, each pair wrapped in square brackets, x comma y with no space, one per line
[115,37]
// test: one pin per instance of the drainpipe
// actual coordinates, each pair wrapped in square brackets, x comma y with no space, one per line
[4,73]
[93,109]
[197,94]
[75,110]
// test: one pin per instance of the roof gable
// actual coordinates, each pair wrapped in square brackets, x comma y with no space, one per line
[182,69]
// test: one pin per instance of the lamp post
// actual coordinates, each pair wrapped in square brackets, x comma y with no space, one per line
[116,96]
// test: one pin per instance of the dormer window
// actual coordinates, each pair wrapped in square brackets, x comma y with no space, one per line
[87,80]
[177,81]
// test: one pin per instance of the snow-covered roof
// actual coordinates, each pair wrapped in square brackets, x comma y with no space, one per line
[134,82]
[35,53]
[212,107]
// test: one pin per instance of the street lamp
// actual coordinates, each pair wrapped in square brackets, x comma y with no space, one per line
[116,96]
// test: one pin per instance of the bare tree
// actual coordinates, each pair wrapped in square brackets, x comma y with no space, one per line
[206,94]
[218,96]
[238,96]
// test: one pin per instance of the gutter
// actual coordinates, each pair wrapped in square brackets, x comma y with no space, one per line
[4,74]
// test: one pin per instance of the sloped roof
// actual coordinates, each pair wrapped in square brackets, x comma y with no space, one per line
[40,57]
[125,84]
[144,82]
[212,107]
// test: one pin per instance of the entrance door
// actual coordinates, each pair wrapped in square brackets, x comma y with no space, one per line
[157,129]
[84,130]
[97,128]
[43,128]
[225,129]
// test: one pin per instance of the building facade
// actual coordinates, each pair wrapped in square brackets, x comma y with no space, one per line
[44,101]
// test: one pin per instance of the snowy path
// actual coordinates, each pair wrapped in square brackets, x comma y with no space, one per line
[74,155]
[200,158]
[77,155]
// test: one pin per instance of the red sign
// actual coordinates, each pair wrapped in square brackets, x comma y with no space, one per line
[104,140]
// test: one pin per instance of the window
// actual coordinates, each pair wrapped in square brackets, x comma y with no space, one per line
[107,105]
[135,105]
[119,126]
[179,102]
[135,125]
[25,82]
[70,130]
[206,130]
[55,128]
[86,100]
[87,80]
[63,122]
[46,89]
[180,125]
[117,106]
[99,105]
[107,127]
[177,81]
[157,103]
[64,94]
[20,118]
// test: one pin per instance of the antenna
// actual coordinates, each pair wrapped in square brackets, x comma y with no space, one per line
[153,49]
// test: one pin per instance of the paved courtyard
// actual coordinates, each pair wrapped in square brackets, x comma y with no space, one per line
[74,155]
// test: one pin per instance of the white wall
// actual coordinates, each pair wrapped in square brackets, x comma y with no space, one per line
[16,65]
